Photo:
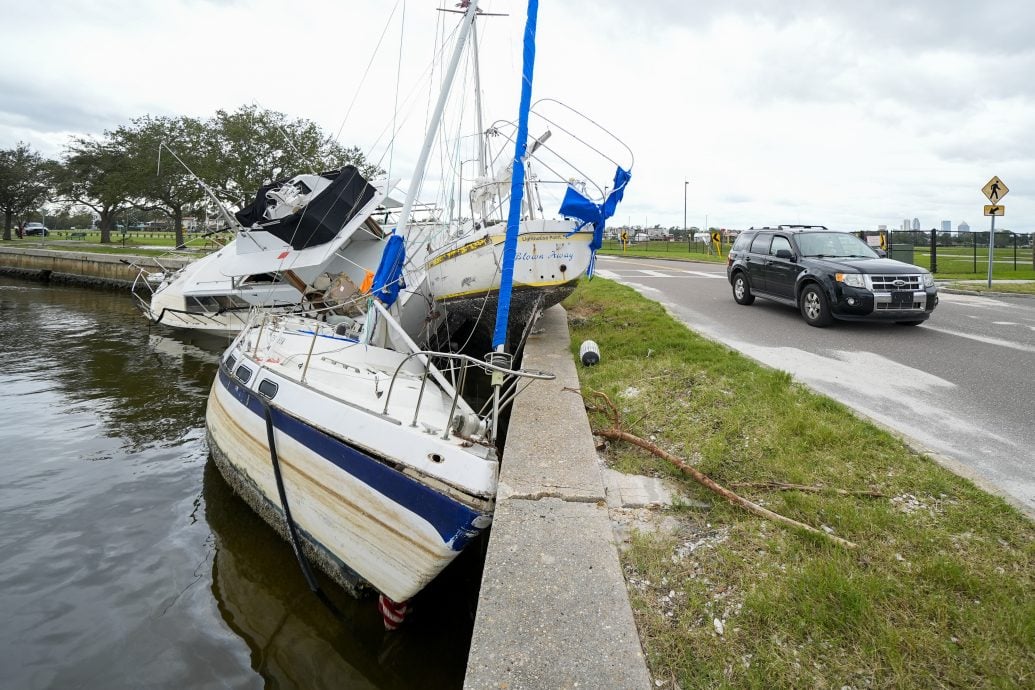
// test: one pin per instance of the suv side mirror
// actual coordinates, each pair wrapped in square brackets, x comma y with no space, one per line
[880,252]
[784,254]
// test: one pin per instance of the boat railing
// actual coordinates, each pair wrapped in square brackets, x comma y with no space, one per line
[448,369]
[147,275]
[460,364]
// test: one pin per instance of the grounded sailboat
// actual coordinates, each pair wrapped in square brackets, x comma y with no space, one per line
[464,269]
[352,441]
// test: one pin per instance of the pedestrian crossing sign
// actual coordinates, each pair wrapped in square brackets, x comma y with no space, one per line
[995,189]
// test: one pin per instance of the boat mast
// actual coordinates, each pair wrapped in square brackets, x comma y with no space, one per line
[483,170]
[429,138]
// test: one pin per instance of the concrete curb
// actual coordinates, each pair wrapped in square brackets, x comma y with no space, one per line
[553,611]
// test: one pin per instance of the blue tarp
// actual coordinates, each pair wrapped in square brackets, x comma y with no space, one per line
[576,205]
[517,183]
[388,278]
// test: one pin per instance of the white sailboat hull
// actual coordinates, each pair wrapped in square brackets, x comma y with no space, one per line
[465,273]
[375,500]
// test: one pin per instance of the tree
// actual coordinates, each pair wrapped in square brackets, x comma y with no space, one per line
[25,182]
[168,188]
[257,146]
[94,174]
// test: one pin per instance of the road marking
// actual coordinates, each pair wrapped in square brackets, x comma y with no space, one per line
[604,273]
[982,339]
[852,370]
[704,275]
[974,300]
[1005,323]
[654,274]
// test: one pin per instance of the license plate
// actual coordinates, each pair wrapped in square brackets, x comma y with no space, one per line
[902,300]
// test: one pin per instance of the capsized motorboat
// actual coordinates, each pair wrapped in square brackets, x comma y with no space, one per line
[298,238]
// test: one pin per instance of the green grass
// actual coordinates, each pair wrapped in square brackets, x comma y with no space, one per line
[953,262]
[136,243]
[662,250]
[960,262]
[1018,288]
[940,592]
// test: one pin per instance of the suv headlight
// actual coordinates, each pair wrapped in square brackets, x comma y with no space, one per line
[851,279]
[928,280]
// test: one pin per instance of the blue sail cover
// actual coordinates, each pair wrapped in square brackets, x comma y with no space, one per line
[388,278]
[576,205]
[517,183]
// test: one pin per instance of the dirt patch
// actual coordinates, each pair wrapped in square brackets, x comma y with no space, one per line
[581,312]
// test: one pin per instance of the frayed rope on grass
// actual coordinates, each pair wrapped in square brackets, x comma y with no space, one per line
[616,433]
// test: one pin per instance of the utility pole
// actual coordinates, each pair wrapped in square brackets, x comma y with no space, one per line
[686,183]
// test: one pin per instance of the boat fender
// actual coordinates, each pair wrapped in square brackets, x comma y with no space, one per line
[393,613]
[589,353]
[468,425]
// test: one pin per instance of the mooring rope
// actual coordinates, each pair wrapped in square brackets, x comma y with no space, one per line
[296,544]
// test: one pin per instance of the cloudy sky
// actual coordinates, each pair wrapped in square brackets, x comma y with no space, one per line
[840,113]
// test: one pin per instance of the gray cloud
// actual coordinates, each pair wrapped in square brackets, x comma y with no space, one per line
[996,27]
[31,107]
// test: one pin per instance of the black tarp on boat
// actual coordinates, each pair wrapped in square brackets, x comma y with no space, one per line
[321,219]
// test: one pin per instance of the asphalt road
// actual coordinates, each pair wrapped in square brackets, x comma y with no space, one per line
[961,386]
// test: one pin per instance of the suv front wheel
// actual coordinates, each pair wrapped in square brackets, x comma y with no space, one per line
[741,289]
[814,307]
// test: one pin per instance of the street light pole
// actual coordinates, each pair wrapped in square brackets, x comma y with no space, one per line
[686,183]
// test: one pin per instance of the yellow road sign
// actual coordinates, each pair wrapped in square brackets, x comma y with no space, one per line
[995,189]
[995,210]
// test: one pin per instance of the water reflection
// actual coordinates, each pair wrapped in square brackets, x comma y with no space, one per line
[128,562]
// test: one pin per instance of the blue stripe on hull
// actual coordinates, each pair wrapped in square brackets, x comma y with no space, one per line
[450,518]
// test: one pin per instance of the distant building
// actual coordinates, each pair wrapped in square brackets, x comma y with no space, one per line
[882,228]
[916,223]
[963,227]
[946,226]
[905,224]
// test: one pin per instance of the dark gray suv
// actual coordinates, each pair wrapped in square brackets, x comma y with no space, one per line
[826,275]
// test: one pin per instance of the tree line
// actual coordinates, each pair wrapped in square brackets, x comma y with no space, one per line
[135,166]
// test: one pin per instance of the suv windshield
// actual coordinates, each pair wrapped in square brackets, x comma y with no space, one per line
[833,245]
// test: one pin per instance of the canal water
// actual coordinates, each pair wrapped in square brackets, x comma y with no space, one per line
[127,562]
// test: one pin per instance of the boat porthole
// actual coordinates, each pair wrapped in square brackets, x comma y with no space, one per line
[268,388]
[564,268]
[243,373]
[435,457]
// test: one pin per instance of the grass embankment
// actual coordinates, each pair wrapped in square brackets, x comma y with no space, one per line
[137,244]
[940,591]
[1017,288]
[954,263]
[662,250]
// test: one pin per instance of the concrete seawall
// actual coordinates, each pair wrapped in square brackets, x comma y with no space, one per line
[83,268]
[554,610]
